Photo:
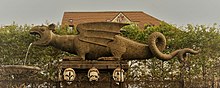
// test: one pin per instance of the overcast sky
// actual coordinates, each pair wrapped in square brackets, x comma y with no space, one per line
[179,12]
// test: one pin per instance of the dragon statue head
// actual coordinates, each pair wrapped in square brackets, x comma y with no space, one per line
[44,34]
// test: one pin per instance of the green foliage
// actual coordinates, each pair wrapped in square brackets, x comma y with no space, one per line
[65,30]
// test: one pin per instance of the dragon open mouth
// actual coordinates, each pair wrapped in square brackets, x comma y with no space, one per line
[39,38]
[36,34]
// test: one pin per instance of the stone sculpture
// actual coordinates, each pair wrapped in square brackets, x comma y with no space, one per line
[69,75]
[101,40]
[93,74]
[118,75]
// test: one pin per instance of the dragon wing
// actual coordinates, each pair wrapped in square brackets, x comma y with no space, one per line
[99,33]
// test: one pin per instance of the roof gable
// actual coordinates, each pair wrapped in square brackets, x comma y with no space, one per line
[121,18]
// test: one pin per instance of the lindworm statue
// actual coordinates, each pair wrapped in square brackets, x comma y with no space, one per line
[101,41]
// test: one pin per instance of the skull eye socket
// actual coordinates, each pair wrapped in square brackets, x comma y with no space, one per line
[118,73]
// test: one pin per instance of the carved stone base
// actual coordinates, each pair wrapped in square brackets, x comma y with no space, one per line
[81,69]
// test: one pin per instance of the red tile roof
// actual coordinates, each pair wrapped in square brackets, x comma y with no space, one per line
[134,16]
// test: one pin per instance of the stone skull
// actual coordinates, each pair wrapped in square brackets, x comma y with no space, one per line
[69,75]
[93,74]
[118,75]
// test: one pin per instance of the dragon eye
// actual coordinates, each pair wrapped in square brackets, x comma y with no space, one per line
[42,30]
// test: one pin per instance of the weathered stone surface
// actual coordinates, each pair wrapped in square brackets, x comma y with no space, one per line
[98,64]
[100,40]
[81,68]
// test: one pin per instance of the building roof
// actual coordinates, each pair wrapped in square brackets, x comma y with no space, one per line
[139,17]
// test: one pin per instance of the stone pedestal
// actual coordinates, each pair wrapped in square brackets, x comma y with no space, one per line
[81,69]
